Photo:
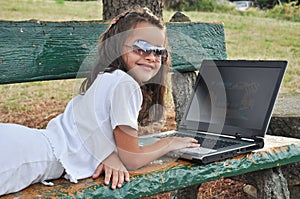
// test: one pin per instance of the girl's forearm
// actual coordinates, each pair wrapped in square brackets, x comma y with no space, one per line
[134,156]
[144,155]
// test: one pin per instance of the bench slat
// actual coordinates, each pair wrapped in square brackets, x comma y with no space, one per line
[278,151]
[32,50]
[36,50]
[197,41]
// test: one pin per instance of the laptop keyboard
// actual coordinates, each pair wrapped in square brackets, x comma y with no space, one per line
[211,143]
[214,144]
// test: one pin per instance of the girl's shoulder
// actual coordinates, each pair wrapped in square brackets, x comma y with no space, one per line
[117,77]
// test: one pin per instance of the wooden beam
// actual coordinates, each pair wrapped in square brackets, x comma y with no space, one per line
[37,50]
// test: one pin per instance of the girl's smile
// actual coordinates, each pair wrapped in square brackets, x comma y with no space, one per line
[146,66]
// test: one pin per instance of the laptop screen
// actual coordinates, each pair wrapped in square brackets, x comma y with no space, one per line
[234,97]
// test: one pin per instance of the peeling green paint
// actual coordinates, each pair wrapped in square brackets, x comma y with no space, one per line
[177,175]
[35,50]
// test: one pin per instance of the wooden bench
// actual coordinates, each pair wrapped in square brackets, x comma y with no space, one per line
[38,51]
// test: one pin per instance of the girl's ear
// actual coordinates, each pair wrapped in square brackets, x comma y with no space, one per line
[124,59]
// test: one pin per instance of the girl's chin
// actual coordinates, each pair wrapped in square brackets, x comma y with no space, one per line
[143,74]
[146,68]
[143,78]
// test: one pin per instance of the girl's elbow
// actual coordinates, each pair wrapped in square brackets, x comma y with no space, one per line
[132,165]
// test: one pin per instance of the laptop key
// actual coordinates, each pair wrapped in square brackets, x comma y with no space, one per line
[205,142]
[214,143]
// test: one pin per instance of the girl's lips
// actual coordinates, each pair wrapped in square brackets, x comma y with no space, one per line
[148,66]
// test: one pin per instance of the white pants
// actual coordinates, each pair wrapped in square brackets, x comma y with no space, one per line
[26,157]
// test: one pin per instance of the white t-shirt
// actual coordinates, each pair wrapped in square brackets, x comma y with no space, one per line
[82,137]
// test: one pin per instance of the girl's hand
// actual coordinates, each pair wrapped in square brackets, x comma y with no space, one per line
[114,171]
[176,143]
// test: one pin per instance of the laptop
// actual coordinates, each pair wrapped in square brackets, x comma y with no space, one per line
[229,110]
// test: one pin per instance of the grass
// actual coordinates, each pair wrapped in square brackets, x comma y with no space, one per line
[50,10]
[247,37]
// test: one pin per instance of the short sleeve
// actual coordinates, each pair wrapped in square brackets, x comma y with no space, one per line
[126,103]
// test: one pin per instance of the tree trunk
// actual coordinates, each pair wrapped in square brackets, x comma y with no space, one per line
[112,8]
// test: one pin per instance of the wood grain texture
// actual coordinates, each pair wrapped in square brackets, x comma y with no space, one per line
[168,175]
[34,50]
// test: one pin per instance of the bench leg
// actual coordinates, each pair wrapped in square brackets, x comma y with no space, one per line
[185,193]
[292,175]
[270,183]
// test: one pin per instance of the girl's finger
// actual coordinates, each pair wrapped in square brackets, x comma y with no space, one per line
[195,141]
[108,175]
[98,171]
[194,145]
[115,179]
[127,177]
[121,179]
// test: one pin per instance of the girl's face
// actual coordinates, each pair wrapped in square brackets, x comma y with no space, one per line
[143,66]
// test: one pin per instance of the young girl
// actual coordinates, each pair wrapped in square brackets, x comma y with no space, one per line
[98,130]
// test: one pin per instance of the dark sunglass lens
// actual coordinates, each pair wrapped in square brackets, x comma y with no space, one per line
[139,51]
[157,52]
[148,52]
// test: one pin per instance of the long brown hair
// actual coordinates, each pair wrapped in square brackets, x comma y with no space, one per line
[110,58]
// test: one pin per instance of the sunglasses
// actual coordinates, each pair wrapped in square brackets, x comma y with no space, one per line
[144,49]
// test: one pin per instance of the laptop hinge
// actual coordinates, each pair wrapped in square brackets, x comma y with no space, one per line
[259,139]
[238,136]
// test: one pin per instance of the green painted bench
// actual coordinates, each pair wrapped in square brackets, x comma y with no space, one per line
[35,50]
[38,51]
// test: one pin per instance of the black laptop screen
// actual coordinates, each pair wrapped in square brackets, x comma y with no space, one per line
[237,97]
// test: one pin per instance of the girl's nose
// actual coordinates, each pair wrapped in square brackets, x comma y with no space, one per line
[151,57]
